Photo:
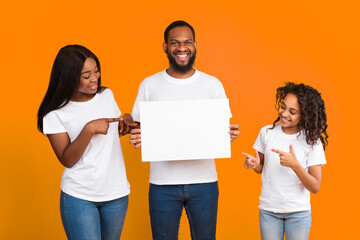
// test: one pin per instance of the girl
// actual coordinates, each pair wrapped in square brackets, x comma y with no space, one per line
[290,155]
[80,119]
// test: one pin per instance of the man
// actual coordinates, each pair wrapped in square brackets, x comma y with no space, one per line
[190,183]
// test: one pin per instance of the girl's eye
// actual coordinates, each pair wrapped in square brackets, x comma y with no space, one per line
[282,107]
[86,77]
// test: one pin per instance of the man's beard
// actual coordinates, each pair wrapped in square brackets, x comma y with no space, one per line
[179,68]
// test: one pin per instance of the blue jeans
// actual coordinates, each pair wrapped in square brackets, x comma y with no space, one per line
[85,220]
[166,203]
[296,225]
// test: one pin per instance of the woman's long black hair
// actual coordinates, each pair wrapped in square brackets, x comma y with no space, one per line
[65,79]
[313,116]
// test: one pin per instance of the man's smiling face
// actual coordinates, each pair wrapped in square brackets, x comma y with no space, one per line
[181,49]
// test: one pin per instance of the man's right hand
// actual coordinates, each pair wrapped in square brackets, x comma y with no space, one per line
[135,137]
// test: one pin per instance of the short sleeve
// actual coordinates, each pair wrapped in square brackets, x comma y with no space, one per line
[220,93]
[118,112]
[139,98]
[52,124]
[316,156]
[260,142]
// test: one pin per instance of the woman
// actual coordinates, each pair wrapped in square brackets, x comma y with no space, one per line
[80,119]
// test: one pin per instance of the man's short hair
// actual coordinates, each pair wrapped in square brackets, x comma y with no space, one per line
[175,24]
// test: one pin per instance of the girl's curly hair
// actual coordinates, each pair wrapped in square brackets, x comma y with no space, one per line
[312,108]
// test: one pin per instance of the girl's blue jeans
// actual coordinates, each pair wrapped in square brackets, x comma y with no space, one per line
[86,220]
[296,225]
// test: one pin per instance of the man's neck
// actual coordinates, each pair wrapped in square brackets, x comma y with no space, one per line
[180,75]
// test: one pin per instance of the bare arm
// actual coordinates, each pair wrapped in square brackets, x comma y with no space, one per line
[259,167]
[311,180]
[69,153]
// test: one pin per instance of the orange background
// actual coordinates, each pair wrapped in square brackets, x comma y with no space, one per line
[251,46]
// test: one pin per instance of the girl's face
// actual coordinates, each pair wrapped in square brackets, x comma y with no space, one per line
[290,114]
[88,81]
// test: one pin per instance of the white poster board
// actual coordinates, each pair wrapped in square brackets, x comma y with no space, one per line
[185,130]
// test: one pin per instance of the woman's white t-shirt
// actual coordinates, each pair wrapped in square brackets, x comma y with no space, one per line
[100,173]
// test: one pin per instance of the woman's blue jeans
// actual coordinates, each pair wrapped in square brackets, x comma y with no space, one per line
[296,225]
[85,220]
[166,203]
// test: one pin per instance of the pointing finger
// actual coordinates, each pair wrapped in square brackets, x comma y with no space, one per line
[277,151]
[247,155]
[110,120]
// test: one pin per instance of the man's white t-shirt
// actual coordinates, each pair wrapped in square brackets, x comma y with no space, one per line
[100,173]
[163,87]
[282,191]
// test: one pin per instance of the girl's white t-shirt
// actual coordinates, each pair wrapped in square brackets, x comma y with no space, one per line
[282,191]
[100,173]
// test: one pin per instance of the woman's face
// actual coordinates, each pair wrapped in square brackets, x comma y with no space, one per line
[88,81]
[290,114]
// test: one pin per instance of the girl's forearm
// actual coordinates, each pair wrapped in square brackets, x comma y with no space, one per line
[259,168]
[310,182]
